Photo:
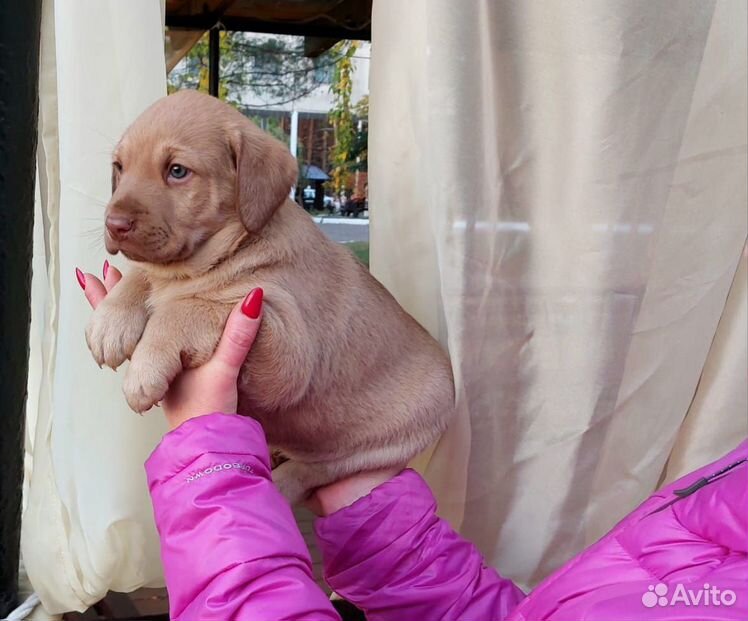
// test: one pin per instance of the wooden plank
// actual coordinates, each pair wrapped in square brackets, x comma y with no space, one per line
[117,606]
[20,27]
[314,46]
[88,615]
[150,601]
[317,28]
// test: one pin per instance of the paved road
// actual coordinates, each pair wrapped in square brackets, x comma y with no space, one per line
[346,232]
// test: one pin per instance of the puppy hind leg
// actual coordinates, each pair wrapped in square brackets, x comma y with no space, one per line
[296,479]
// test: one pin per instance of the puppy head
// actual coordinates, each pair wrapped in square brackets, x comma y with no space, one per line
[189,167]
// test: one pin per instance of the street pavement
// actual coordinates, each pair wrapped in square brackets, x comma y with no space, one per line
[343,232]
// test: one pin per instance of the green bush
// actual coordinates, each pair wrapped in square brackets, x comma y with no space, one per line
[361,250]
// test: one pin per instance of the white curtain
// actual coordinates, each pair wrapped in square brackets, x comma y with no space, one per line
[714,419]
[558,193]
[87,523]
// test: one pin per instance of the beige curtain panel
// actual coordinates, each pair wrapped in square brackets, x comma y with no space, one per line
[558,192]
[87,525]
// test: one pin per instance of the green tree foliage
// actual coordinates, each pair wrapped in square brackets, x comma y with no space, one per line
[271,124]
[342,115]
[273,67]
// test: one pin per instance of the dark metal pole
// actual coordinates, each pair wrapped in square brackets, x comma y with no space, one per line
[214,60]
[20,24]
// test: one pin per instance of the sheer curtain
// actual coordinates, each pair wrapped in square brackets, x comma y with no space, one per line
[87,523]
[558,193]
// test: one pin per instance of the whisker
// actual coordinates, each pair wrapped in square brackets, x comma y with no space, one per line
[96,246]
[95,231]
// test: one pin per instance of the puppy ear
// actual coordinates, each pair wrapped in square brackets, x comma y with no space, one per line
[265,173]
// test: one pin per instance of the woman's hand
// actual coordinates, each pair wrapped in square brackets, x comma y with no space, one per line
[331,498]
[212,386]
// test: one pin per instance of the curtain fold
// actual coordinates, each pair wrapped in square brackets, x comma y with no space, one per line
[87,523]
[722,389]
[558,193]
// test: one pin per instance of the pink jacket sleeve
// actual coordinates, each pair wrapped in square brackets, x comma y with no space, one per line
[390,554]
[229,542]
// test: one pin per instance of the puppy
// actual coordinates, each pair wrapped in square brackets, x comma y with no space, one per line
[341,378]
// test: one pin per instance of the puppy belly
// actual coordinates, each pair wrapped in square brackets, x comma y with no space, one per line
[388,432]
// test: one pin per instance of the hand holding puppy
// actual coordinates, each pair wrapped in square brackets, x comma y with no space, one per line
[212,386]
[341,378]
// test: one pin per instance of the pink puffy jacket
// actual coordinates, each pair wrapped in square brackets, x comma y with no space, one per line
[231,549]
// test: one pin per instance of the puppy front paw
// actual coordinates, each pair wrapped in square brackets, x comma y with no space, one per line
[113,332]
[144,386]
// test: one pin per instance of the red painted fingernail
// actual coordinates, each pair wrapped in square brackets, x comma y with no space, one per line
[106,268]
[81,278]
[253,303]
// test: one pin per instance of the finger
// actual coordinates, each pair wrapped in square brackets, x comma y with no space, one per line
[93,288]
[240,332]
[111,276]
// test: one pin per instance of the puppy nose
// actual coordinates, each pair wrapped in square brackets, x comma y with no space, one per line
[118,226]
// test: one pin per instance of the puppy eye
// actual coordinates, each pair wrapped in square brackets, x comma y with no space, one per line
[117,166]
[177,171]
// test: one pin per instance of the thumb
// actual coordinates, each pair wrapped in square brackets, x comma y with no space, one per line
[240,332]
